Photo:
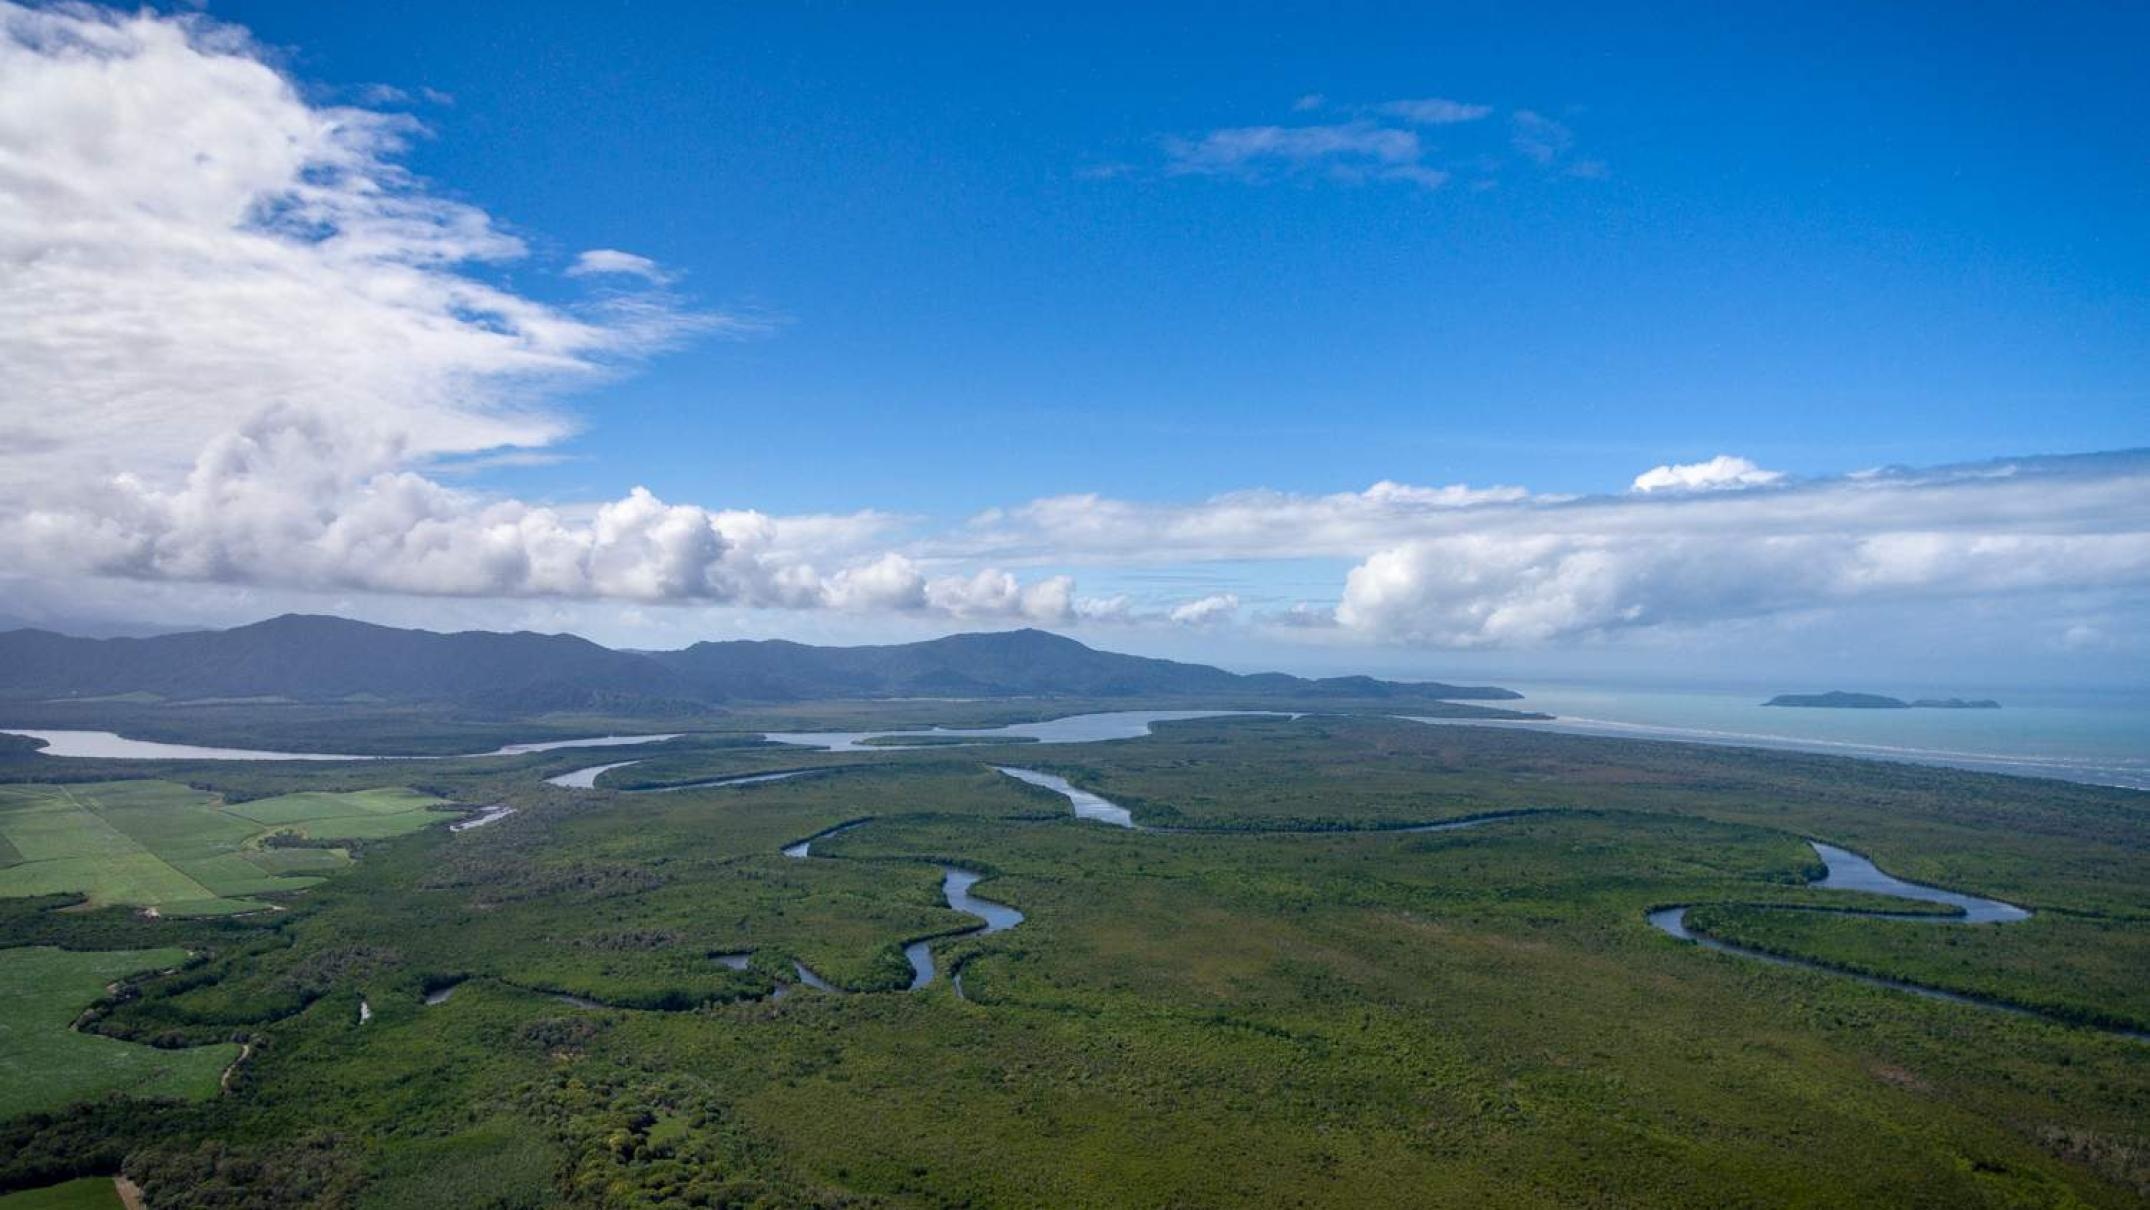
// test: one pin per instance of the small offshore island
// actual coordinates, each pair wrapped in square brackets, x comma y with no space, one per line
[1837,699]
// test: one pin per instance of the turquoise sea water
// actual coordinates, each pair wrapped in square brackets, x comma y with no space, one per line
[2101,738]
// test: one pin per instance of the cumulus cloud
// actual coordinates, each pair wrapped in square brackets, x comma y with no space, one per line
[1722,471]
[602,261]
[292,500]
[188,241]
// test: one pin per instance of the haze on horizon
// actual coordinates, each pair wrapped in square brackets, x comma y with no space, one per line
[1726,348]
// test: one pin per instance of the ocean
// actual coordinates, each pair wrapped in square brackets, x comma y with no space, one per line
[2100,738]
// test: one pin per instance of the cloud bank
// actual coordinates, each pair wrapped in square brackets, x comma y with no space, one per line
[1687,545]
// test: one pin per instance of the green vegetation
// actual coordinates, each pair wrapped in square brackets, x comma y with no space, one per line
[45,1065]
[183,852]
[2081,968]
[1212,1016]
[87,1193]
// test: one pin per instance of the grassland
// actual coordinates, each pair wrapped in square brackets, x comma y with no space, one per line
[181,851]
[1217,1016]
[85,1193]
[46,1065]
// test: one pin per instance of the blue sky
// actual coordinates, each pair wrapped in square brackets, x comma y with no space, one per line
[918,265]
[1824,239]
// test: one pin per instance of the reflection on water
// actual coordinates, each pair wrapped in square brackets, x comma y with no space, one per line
[956,883]
[1848,871]
[586,779]
[107,745]
[1073,729]
[1087,805]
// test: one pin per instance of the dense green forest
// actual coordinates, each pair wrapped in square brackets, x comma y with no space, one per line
[1266,994]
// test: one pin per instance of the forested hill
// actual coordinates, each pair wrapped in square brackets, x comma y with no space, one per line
[310,658]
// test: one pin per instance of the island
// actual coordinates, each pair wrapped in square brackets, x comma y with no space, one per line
[1837,699]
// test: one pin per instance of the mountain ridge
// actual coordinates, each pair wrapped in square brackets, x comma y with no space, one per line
[313,657]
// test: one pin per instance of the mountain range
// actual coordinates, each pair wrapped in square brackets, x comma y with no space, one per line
[320,659]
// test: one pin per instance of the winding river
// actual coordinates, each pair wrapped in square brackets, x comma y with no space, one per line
[1849,871]
[956,883]
[1844,869]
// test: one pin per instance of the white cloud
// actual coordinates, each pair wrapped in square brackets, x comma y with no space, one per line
[996,594]
[188,242]
[1538,138]
[1351,150]
[1435,111]
[1694,545]
[1968,535]
[1206,611]
[1379,142]
[1722,471]
[236,331]
[242,346]
[612,261]
[1238,525]
[291,501]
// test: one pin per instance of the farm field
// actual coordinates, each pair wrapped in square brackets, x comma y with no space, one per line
[46,1065]
[161,845]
